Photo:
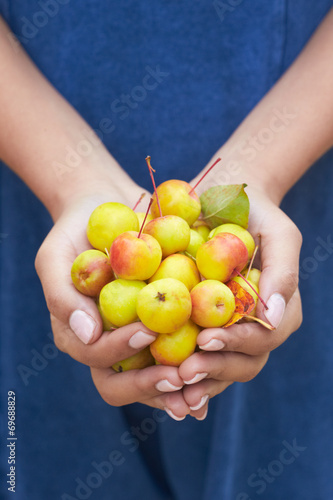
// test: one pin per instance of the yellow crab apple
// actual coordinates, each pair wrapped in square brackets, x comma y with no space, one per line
[237,230]
[173,348]
[118,301]
[179,267]
[177,197]
[141,216]
[139,360]
[254,276]
[196,240]
[221,257]
[91,270]
[213,304]
[202,228]
[135,256]
[172,233]
[109,220]
[164,305]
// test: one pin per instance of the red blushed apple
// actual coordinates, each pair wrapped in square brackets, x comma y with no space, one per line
[213,304]
[135,258]
[220,257]
[91,270]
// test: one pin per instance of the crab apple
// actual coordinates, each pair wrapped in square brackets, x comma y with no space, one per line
[196,240]
[237,230]
[202,228]
[139,360]
[118,301]
[179,267]
[91,270]
[172,233]
[164,305]
[133,257]
[141,216]
[107,325]
[220,257]
[213,304]
[254,276]
[175,199]
[173,348]
[109,220]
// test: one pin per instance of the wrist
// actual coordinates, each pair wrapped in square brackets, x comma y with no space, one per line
[101,180]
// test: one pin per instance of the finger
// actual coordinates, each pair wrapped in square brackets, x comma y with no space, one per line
[53,265]
[252,338]
[222,366]
[110,348]
[119,389]
[198,395]
[280,248]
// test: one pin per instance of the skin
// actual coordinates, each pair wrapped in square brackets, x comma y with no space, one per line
[71,197]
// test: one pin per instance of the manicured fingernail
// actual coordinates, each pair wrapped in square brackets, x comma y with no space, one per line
[166,386]
[172,415]
[196,378]
[276,306]
[140,339]
[203,401]
[213,345]
[203,416]
[82,325]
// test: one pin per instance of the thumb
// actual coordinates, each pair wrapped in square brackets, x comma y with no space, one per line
[53,265]
[280,249]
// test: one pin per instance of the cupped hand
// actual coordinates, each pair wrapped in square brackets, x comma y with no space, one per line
[77,325]
[239,352]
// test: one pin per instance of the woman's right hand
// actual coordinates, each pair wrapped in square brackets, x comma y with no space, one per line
[77,325]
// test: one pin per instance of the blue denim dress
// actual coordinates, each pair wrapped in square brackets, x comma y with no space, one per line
[172,79]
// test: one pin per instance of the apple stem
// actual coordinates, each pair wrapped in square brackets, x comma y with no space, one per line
[144,220]
[255,291]
[251,262]
[204,175]
[139,201]
[151,170]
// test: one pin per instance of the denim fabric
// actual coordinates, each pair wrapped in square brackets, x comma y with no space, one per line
[194,71]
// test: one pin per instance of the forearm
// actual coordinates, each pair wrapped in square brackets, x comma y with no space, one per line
[290,128]
[39,131]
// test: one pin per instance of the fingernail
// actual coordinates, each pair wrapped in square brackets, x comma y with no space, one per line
[196,378]
[172,415]
[203,416]
[82,325]
[203,401]
[213,345]
[276,306]
[140,339]
[166,386]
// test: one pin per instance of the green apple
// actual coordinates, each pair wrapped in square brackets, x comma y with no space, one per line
[118,301]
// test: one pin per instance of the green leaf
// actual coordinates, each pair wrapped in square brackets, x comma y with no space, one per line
[225,204]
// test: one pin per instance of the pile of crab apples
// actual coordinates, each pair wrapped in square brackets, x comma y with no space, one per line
[165,268]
